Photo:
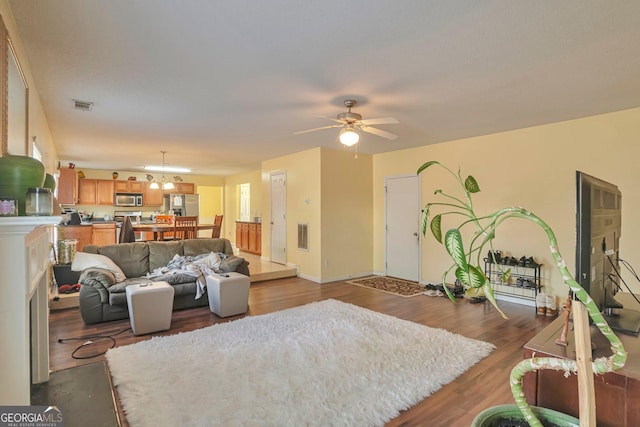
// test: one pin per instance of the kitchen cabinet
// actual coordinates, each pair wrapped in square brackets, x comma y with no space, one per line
[89,234]
[67,187]
[105,192]
[128,186]
[82,233]
[95,192]
[103,234]
[151,197]
[249,237]
[182,188]
[87,192]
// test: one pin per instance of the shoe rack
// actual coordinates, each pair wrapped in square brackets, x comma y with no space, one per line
[523,281]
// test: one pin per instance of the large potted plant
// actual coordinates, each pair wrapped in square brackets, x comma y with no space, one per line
[466,268]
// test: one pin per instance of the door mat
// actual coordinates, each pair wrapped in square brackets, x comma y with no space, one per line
[390,285]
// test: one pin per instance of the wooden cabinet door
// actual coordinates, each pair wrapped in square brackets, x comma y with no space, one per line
[184,188]
[151,197]
[242,236]
[105,192]
[253,243]
[136,186]
[82,233]
[128,186]
[121,186]
[104,234]
[259,239]
[87,191]
[68,187]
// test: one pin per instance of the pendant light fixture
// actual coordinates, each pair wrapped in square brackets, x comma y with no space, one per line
[166,185]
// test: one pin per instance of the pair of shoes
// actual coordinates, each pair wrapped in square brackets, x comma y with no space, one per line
[69,289]
[433,293]
[528,262]
[523,282]
[541,304]
[509,260]
[494,256]
[551,306]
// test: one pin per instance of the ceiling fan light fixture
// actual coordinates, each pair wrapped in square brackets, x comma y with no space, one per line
[349,137]
[154,186]
[168,185]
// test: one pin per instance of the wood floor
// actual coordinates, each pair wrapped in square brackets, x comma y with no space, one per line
[455,404]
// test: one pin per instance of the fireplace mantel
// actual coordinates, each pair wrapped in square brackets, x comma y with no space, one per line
[24,313]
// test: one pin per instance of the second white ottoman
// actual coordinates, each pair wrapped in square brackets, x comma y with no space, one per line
[228,293]
[150,307]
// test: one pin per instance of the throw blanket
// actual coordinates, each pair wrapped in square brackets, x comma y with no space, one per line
[198,267]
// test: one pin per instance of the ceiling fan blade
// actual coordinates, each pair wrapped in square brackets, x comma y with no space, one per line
[333,119]
[315,129]
[378,132]
[380,121]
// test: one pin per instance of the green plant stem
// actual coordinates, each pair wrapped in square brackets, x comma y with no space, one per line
[600,365]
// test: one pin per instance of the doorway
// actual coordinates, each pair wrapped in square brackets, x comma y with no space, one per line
[402,227]
[279,217]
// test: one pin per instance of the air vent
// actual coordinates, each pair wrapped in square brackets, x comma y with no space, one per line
[82,105]
[303,236]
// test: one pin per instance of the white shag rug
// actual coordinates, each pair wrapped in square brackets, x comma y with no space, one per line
[326,363]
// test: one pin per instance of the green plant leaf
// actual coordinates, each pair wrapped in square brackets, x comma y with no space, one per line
[472,276]
[488,293]
[471,185]
[425,219]
[426,165]
[453,243]
[436,229]
[506,275]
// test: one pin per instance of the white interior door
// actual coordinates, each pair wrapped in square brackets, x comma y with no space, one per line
[279,218]
[402,235]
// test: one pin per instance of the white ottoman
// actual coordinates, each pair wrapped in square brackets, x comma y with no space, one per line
[228,293]
[150,307]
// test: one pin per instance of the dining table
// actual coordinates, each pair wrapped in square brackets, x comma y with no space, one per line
[159,229]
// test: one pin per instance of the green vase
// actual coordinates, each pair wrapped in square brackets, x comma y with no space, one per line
[49,182]
[17,175]
[510,415]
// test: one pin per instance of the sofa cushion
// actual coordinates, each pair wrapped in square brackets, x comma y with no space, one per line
[193,247]
[160,253]
[132,258]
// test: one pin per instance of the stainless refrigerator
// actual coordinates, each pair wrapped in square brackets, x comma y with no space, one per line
[182,204]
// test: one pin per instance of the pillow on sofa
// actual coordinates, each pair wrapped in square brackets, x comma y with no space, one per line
[84,260]
[132,258]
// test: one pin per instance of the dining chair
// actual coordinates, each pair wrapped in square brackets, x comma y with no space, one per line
[185,227]
[217,227]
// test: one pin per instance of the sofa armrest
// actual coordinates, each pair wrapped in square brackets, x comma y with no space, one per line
[99,279]
[235,263]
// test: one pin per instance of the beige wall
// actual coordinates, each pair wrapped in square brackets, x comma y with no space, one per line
[303,206]
[38,126]
[331,192]
[211,204]
[534,168]
[347,214]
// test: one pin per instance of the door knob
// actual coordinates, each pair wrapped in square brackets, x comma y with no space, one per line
[415,234]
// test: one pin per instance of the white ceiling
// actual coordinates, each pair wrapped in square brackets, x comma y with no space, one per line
[222,85]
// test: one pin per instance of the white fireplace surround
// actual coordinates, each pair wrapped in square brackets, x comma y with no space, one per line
[24,311]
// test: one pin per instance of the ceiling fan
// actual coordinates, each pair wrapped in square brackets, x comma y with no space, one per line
[352,122]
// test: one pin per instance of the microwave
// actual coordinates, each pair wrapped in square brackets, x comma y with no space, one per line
[128,199]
